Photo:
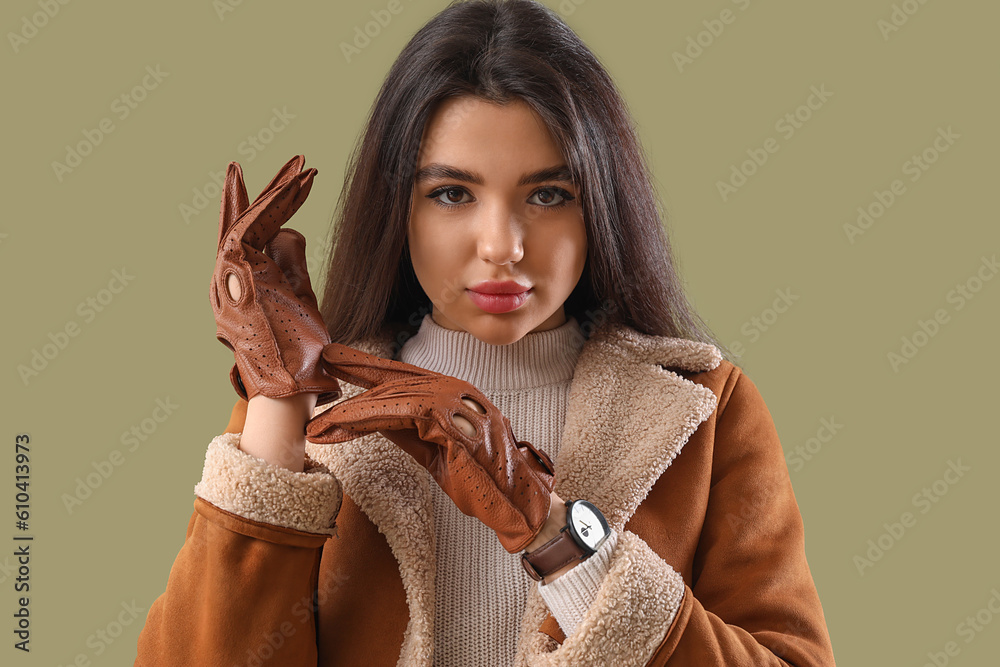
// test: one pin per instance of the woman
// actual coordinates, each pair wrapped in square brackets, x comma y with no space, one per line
[498,157]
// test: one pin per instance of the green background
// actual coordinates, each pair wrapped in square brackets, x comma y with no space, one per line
[825,357]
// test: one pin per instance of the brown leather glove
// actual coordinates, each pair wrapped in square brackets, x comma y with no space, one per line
[503,482]
[274,328]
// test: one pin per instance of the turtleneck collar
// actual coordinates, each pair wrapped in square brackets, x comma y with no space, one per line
[539,358]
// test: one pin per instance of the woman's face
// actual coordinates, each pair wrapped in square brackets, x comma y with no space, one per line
[492,201]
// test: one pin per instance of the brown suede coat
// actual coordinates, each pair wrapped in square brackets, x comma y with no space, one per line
[672,442]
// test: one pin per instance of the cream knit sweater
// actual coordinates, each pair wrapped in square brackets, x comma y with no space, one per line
[480,588]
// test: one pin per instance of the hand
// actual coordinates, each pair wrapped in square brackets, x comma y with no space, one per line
[490,475]
[261,294]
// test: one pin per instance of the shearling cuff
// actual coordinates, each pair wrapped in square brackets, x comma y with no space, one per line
[572,594]
[630,615]
[255,489]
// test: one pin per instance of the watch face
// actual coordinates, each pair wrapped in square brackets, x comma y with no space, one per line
[588,524]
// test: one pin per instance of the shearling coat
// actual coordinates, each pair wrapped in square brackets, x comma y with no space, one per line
[673,443]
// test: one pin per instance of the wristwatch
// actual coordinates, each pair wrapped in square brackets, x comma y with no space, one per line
[581,537]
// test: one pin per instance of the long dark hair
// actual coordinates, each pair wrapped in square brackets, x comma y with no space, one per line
[499,51]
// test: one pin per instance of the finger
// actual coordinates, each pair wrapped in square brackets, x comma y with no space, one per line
[414,412]
[305,185]
[386,407]
[264,218]
[375,410]
[329,428]
[324,429]
[288,250]
[330,434]
[234,199]
[285,174]
[367,370]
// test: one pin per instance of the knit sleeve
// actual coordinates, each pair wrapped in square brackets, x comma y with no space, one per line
[572,594]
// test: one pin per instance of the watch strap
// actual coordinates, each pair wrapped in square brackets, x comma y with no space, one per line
[558,552]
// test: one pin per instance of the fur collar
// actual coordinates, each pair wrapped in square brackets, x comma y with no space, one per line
[627,417]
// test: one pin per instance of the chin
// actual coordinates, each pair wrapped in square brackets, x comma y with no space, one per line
[494,329]
[496,338]
[491,333]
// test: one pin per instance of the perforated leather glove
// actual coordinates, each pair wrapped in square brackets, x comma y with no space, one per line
[503,482]
[265,309]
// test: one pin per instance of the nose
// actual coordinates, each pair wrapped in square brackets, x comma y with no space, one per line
[501,236]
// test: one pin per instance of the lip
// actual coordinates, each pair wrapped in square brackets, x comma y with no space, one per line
[498,303]
[499,287]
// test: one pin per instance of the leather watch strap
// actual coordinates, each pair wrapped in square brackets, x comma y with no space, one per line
[558,552]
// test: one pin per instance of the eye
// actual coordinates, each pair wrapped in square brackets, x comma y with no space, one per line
[552,197]
[450,193]
[453,197]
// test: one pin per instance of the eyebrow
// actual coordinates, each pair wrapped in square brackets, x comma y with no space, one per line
[436,170]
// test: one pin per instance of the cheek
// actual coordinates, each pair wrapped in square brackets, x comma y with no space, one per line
[567,246]
[431,252]
[580,246]
[417,240]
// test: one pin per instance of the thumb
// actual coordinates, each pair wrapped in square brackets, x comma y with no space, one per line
[288,250]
